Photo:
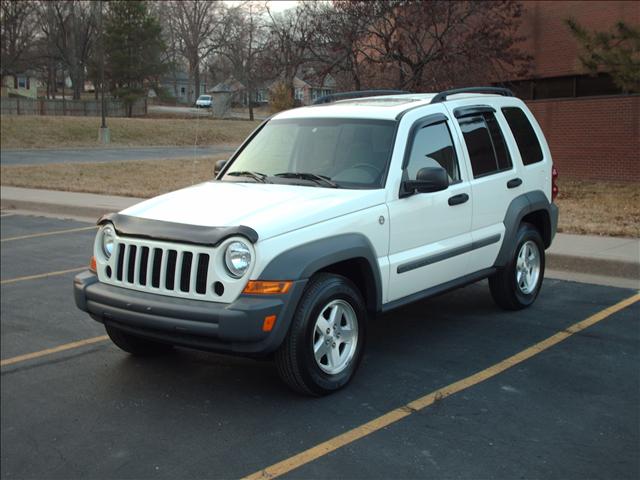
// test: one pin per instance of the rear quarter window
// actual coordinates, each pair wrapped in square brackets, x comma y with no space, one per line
[524,134]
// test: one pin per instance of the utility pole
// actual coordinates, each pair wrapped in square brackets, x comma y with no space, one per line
[104,136]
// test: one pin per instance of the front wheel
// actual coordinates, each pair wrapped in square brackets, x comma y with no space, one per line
[325,342]
[517,285]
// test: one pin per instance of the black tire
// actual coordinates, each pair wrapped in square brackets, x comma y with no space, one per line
[295,358]
[136,345]
[504,285]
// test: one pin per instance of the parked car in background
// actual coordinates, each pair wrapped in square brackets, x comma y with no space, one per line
[204,101]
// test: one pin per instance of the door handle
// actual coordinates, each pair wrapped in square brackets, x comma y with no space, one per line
[513,183]
[458,199]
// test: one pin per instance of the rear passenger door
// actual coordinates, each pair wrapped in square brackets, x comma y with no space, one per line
[495,178]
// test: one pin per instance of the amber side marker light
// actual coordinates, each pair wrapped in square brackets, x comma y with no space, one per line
[256,287]
[268,323]
[92,265]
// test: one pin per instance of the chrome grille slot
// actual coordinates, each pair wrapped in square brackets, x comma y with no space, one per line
[170,271]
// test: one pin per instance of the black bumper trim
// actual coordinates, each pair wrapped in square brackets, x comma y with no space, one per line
[235,327]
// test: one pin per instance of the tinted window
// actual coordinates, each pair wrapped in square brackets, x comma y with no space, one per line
[485,143]
[525,136]
[432,147]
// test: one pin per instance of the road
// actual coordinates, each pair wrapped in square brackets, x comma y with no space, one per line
[565,410]
[97,155]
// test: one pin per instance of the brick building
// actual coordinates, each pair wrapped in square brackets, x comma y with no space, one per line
[592,127]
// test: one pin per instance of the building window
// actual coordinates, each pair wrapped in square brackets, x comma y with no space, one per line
[22,82]
[182,91]
[486,146]
[432,147]
[525,136]
[299,94]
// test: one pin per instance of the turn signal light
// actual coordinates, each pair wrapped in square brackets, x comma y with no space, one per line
[256,287]
[268,323]
[92,265]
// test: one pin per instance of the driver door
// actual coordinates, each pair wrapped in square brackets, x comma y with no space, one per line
[430,231]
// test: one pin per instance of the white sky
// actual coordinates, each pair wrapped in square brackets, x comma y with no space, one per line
[274,5]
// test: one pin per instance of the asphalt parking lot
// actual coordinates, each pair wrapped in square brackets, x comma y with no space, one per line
[88,410]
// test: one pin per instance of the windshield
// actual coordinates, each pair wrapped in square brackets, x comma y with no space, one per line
[350,153]
[204,97]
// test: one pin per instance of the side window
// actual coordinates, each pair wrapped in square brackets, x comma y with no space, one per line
[525,136]
[432,147]
[487,149]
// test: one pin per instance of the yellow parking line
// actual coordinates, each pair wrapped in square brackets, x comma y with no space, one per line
[46,234]
[393,416]
[42,275]
[49,351]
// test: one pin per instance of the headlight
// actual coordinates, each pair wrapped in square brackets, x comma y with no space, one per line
[237,258]
[108,240]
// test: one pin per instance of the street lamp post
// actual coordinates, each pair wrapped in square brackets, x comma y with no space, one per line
[104,136]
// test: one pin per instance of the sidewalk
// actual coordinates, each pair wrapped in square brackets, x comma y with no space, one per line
[583,255]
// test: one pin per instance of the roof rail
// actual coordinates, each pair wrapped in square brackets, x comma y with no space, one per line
[442,96]
[334,97]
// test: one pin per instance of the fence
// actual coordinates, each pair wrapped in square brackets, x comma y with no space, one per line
[82,108]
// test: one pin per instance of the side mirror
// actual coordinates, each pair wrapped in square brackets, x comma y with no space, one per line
[428,179]
[219,166]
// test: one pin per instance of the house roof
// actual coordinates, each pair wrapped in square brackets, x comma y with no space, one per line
[230,85]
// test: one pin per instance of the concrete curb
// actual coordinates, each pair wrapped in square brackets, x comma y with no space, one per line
[63,203]
[594,266]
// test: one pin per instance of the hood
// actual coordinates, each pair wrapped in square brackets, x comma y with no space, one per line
[270,209]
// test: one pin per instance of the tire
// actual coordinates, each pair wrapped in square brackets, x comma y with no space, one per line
[136,345]
[516,286]
[315,362]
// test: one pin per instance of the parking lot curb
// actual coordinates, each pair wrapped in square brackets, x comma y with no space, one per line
[62,203]
[593,266]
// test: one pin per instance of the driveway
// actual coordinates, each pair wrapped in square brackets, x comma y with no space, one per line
[97,155]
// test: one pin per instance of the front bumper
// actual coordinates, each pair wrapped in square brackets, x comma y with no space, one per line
[234,327]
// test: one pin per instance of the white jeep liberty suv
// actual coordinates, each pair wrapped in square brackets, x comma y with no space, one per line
[325,216]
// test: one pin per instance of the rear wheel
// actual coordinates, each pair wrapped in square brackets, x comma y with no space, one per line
[325,342]
[136,345]
[517,285]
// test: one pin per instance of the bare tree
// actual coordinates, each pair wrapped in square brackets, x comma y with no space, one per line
[414,44]
[68,29]
[193,24]
[243,42]
[16,35]
[291,35]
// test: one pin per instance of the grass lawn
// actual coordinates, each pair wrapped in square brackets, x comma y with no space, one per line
[30,131]
[595,208]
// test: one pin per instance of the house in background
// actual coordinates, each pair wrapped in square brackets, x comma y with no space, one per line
[23,85]
[180,87]
[308,87]
[236,90]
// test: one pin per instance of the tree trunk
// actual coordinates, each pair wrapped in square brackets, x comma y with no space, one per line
[251,95]
[196,79]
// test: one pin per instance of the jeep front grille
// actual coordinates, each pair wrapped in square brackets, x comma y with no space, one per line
[166,269]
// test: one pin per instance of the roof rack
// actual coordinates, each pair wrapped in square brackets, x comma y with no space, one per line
[442,96]
[334,97]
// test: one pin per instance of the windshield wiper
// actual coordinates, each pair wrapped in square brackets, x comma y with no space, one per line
[257,176]
[318,179]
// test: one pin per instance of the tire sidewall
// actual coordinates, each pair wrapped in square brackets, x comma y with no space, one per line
[526,233]
[333,288]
